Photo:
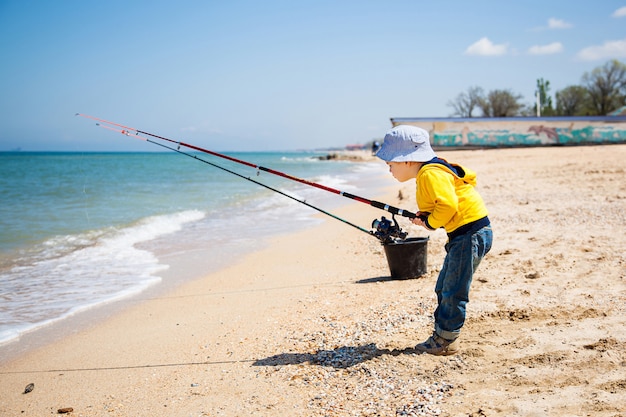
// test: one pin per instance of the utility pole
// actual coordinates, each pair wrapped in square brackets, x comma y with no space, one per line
[538,103]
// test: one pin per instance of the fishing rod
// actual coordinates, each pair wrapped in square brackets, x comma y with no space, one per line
[385,230]
[377,204]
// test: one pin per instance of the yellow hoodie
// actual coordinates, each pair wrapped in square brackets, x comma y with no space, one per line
[446,191]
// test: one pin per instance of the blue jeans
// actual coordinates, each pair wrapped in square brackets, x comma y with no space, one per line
[464,254]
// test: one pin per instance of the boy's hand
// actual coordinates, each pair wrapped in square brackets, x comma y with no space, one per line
[420,219]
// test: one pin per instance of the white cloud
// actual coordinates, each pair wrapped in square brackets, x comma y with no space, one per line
[621,12]
[609,50]
[485,47]
[558,24]
[553,48]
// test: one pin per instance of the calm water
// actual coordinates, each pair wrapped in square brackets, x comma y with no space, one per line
[82,229]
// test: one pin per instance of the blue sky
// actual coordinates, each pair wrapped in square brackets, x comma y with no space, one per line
[277,75]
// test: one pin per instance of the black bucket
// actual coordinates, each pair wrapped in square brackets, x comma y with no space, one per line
[407,258]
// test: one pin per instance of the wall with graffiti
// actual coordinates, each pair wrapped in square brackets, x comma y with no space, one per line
[520,131]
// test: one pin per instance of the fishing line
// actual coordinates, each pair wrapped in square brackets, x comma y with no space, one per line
[117,368]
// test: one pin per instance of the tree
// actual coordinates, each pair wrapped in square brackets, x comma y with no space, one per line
[466,102]
[545,101]
[501,103]
[607,87]
[601,92]
[572,101]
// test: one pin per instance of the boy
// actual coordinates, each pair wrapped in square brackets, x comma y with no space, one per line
[445,198]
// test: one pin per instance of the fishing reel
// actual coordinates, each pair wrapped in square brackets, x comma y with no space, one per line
[386,231]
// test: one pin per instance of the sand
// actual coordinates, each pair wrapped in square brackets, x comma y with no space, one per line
[313,326]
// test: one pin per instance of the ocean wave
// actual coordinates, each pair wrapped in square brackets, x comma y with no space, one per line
[101,253]
[72,273]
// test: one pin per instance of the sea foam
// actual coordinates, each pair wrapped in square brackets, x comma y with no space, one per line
[72,273]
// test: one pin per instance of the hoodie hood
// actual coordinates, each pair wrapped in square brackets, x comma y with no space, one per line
[465,174]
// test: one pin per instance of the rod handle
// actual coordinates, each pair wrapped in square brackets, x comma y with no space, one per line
[393,210]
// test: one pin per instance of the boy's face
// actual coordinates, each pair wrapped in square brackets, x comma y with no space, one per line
[404,171]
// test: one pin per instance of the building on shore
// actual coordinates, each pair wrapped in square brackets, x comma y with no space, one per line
[519,131]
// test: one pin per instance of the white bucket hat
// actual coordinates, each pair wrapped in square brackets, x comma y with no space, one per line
[406,143]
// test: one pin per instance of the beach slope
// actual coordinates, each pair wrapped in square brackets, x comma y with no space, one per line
[313,326]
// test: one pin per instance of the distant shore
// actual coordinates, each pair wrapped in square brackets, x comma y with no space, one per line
[356,156]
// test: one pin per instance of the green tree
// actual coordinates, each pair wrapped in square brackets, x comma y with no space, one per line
[607,87]
[545,101]
[572,101]
[501,103]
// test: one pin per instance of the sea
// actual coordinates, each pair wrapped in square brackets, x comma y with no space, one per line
[81,230]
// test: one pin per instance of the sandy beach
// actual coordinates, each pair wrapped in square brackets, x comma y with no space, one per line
[312,325]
